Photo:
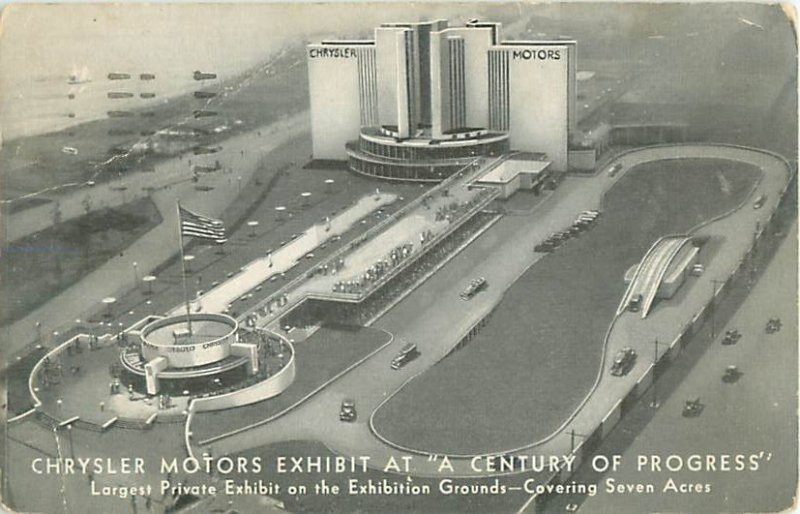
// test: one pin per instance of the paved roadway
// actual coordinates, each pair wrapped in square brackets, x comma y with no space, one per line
[757,413]
[501,255]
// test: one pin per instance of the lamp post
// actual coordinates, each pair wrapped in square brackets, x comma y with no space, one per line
[654,401]
[135,274]
[149,279]
[714,283]
[71,447]
[253,224]
[572,435]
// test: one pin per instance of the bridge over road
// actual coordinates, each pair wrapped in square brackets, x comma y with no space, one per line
[650,272]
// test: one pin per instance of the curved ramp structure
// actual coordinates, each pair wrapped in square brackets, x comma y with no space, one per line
[651,271]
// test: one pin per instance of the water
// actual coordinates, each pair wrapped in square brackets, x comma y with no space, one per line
[44,45]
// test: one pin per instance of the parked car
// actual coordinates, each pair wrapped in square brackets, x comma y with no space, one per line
[623,361]
[697,270]
[347,412]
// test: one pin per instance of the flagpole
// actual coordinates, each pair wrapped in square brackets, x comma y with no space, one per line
[183,270]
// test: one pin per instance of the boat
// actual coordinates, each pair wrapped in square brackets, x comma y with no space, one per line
[69,150]
[204,114]
[199,75]
[147,95]
[120,94]
[205,169]
[118,76]
[119,114]
[146,76]
[204,94]
[200,150]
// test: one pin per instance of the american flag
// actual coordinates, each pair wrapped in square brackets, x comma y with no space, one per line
[196,225]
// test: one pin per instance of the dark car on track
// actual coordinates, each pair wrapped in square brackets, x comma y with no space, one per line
[404,356]
[347,412]
[623,362]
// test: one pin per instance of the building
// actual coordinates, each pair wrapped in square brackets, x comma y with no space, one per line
[421,100]
[520,171]
[173,355]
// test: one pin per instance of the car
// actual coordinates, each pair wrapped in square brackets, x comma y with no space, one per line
[731,337]
[731,374]
[613,170]
[635,303]
[408,353]
[347,412]
[623,361]
[697,270]
[692,407]
[474,287]
[773,325]
[759,203]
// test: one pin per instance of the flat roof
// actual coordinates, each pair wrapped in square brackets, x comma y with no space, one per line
[507,170]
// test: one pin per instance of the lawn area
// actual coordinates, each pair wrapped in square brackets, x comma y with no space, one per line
[508,387]
[38,267]
[328,352]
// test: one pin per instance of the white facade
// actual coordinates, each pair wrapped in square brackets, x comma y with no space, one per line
[530,97]
[336,85]
[426,80]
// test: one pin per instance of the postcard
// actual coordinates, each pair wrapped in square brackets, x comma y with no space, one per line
[476,257]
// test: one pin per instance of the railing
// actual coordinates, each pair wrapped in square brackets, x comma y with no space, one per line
[379,227]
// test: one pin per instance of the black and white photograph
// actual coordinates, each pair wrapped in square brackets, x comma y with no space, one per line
[379,257]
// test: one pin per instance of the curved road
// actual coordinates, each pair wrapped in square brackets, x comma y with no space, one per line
[501,255]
